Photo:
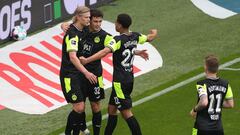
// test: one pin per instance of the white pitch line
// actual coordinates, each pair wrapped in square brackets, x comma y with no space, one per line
[231,69]
[171,88]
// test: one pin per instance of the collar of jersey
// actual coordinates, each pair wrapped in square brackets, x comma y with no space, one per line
[76,27]
[213,78]
[96,31]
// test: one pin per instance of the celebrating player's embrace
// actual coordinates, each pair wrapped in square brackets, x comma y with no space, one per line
[93,43]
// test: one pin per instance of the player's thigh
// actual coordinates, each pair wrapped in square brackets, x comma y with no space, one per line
[72,89]
[120,96]
[95,92]
[112,109]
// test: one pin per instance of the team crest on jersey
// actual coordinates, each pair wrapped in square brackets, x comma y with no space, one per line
[96,39]
[74,97]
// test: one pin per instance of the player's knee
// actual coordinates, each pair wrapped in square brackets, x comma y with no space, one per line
[79,107]
[95,107]
[112,110]
[126,113]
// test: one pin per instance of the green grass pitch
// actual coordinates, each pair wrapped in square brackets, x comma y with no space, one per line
[186,35]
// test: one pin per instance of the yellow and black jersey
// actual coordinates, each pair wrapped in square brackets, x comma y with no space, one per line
[217,90]
[96,41]
[72,41]
[123,55]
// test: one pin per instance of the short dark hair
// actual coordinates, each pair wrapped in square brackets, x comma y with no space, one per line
[96,13]
[212,63]
[125,20]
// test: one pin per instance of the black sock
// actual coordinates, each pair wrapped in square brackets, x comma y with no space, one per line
[82,119]
[134,126]
[79,122]
[111,124]
[70,121]
[97,120]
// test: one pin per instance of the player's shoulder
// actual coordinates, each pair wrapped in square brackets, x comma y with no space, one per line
[202,82]
[223,81]
[118,37]
[136,34]
[104,33]
[72,30]
[207,81]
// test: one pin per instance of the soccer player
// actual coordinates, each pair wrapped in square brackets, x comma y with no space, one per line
[72,71]
[214,94]
[97,40]
[123,55]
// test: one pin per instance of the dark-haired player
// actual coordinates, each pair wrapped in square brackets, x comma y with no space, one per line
[123,55]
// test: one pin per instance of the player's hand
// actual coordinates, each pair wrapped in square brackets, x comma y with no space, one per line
[152,35]
[193,114]
[83,60]
[143,54]
[153,31]
[91,77]
[65,26]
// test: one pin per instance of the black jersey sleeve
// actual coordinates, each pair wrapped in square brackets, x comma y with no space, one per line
[71,40]
[141,38]
[110,42]
[229,94]
[114,43]
[201,89]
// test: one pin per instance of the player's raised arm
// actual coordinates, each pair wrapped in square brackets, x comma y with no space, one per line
[147,38]
[152,35]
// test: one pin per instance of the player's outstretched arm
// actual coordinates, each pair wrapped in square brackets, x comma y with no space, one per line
[96,56]
[228,103]
[142,53]
[65,26]
[74,59]
[152,35]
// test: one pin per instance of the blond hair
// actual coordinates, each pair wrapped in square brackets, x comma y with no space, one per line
[79,11]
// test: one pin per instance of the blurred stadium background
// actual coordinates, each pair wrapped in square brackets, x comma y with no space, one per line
[186,36]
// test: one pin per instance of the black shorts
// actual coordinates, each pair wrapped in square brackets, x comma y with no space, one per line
[72,88]
[207,132]
[120,95]
[94,92]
